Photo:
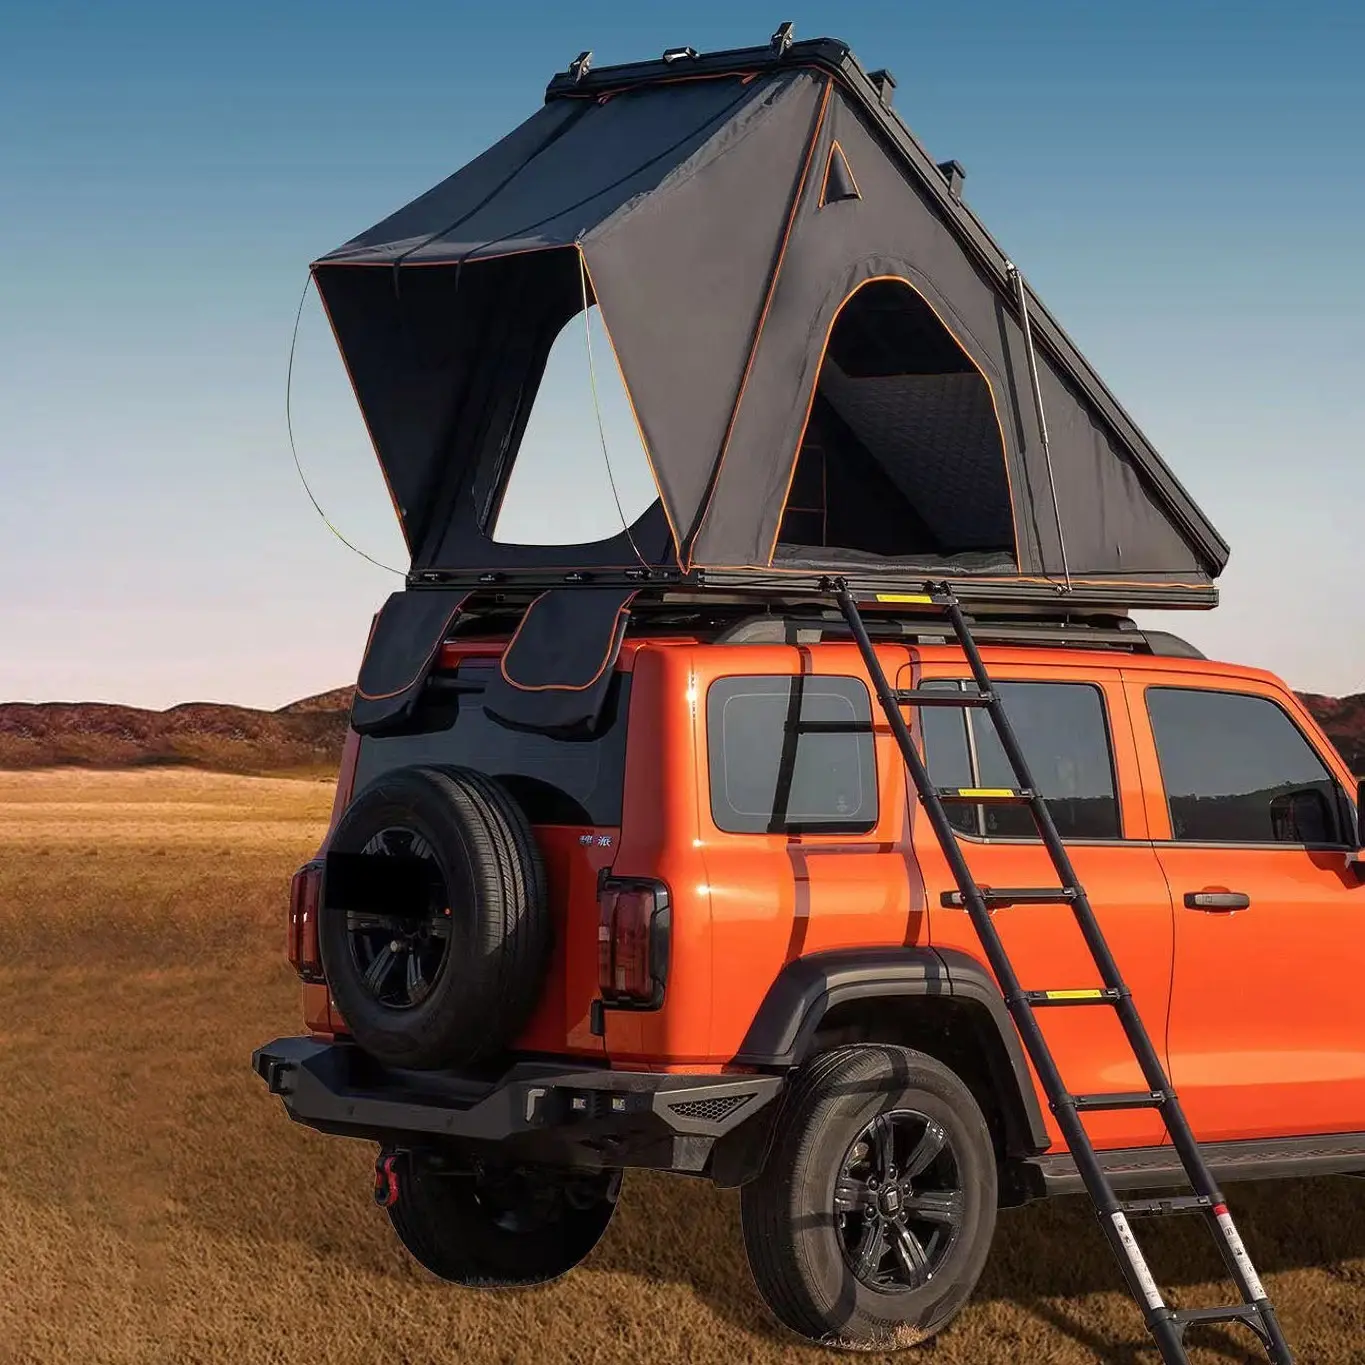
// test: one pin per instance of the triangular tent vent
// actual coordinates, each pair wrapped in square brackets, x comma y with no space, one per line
[839,182]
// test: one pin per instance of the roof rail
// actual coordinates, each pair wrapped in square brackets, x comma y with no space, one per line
[1117,633]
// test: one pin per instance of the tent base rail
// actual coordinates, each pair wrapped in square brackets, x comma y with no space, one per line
[1048,596]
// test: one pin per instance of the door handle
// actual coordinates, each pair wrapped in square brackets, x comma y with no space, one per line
[1217,900]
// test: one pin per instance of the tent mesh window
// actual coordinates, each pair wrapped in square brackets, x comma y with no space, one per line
[902,456]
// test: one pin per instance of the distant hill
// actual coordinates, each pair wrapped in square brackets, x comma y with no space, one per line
[1344,720]
[306,735]
[303,737]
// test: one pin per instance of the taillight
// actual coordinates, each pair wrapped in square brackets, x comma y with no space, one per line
[633,928]
[305,895]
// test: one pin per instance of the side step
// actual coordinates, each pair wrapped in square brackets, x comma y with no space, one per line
[1158,1168]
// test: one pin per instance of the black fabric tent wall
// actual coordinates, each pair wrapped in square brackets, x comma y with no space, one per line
[722,223]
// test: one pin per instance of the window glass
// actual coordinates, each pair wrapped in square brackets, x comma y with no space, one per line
[558,491]
[791,754]
[947,753]
[1062,731]
[557,781]
[1238,770]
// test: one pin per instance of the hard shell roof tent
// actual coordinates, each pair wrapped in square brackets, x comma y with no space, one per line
[833,368]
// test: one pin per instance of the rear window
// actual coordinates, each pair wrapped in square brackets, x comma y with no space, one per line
[556,781]
[791,755]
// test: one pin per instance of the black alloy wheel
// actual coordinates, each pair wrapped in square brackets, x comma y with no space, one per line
[898,1202]
[399,955]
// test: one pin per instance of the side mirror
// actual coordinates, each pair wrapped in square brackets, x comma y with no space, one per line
[1305,817]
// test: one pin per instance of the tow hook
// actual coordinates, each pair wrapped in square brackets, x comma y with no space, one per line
[386,1179]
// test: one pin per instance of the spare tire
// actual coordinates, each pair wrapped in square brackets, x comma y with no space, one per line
[434,923]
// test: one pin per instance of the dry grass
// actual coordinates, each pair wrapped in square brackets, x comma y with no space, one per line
[156,1205]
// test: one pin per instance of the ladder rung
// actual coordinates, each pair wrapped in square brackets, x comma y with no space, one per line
[1234,1312]
[1123,1099]
[1093,995]
[939,598]
[987,796]
[920,696]
[1014,895]
[1165,1208]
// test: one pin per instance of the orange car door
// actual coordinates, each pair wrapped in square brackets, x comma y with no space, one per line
[1267,1026]
[1075,737]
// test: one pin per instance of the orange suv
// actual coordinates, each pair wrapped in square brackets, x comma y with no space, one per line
[717,935]
[625,869]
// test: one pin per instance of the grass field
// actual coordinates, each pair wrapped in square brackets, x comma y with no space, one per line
[156,1205]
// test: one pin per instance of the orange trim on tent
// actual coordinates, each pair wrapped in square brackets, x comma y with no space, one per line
[425,664]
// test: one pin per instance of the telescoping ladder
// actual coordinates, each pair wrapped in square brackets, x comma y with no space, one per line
[1166,1324]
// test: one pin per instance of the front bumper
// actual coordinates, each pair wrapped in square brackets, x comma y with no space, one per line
[561,1114]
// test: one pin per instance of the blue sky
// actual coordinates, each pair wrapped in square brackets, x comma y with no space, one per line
[1184,184]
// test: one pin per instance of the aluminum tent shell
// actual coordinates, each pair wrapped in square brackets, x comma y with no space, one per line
[696,209]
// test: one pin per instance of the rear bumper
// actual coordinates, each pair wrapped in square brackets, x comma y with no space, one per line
[561,1114]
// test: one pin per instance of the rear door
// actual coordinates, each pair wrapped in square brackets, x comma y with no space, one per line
[1074,731]
[802,819]
[1267,1027]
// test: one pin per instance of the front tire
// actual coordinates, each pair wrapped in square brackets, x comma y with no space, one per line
[493,1227]
[872,1218]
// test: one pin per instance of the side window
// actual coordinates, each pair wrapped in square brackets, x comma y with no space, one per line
[1237,770]
[1062,730]
[948,754]
[791,755]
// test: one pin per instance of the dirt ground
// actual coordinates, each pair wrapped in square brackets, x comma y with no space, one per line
[156,1205]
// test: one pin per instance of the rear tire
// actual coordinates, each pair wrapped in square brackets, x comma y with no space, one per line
[496,1227]
[872,1218]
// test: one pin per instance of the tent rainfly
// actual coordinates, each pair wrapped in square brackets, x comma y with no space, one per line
[828,358]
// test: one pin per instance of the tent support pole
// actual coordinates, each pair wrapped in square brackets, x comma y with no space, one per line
[1018,281]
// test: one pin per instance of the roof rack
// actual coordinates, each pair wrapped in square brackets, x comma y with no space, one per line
[734,621]
[1122,633]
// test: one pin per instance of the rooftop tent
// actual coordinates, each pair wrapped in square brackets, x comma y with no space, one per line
[824,351]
